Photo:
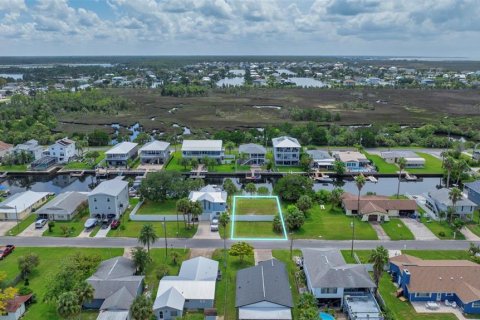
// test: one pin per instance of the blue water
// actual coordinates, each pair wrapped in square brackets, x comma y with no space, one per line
[325,316]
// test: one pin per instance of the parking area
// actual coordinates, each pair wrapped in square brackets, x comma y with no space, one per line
[203,231]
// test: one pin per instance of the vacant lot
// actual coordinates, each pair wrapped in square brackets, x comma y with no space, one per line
[256,206]
[255,230]
[222,110]
[168,206]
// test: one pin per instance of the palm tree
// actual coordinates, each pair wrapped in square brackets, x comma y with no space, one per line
[360,182]
[141,308]
[141,259]
[84,292]
[251,188]
[460,167]
[183,206]
[175,256]
[224,220]
[196,210]
[68,306]
[147,236]
[379,258]
[454,195]
[229,146]
[401,165]
[448,165]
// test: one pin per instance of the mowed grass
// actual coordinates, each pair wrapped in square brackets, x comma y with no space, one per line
[50,262]
[14,168]
[72,228]
[225,290]
[474,225]
[22,225]
[442,230]
[166,207]
[332,223]
[364,255]
[256,206]
[381,164]
[255,229]
[397,230]
[85,164]
[174,165]
[432,164]
[131,229]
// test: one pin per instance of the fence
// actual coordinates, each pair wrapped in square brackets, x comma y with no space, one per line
[252,217]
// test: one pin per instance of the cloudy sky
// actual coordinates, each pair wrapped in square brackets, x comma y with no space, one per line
[440,28]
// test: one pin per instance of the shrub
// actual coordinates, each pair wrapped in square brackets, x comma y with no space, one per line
[441,234]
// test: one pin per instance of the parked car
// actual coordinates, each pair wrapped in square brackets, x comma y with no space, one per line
[214,225]
[90,223]
[40,223]
[6,250]
[115,224]
[106,223]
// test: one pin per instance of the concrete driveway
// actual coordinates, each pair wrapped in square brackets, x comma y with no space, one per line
[31,231]
[102,233]
[262,255]
[5,226]
[381,234]
[85,233]
[203,231]
[420,231]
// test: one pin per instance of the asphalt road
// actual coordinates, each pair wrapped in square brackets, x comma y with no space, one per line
[212,243]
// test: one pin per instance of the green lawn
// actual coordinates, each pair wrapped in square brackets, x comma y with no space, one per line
[257,229]
[14,168]
[258,206]
[225,290]
[397,230]
[22,225]
[474,225]
[381,164]
[174,165]
[332,224]
[364,255]
[85,164]
[284,256]
[50,261]
[168,206]
[442,229]
[288,169]
[432,164]
[75,227]
[132,229]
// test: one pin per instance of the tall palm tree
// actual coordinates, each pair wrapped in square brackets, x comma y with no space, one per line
[196,210]
[460,167]
[68,306]
[402,162]
[147,236]
[379,258]
[85,292]
[224,220]
[359,182]
[183,206]
[141,308]
[448,165]
[141,259]
[454,195]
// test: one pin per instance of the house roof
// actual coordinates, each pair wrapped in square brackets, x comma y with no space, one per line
[374,203]
[268,281]
[461,277]
[171,298]
[320,155]
[20,201]
[475,186]
[5,146]
[251,148]
[120,300]
[199,268]
[65,142]
[351,156]
[285,142]
[111,187]
[15,303]
[442,196]
[122,148]
[209,193]
[328,269]
[113,315]
[202,145]
[155,145]
[64,203]
[407,154]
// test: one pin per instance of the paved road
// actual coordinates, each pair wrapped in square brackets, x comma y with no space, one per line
[211,243]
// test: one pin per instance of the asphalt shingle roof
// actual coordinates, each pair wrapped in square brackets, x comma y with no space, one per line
[64,203]
[111,187]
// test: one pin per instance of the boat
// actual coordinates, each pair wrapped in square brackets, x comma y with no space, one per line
[372,179]
[321,177]
[77,173]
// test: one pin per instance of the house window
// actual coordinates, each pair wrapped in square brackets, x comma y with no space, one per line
[94,199]
[448,294]
[108,199]
[476,304]
[329,290]
[423,295]
[160,314]
[174,313]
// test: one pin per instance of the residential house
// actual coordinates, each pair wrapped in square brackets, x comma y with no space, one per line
[63,150]
[412,160]
[354,161]
[64,206]
[378,208]
[330,278]
[213,200]
[263,292]
[109,199]
[31,147]
[438,201]
[321,159]
[199,149]
[5,148]
[19,205]
[473,191]
[438,280]
[121,153]
[193,288]
[286,151]
[155,152]
[116,286]
[255,154]
[16,307]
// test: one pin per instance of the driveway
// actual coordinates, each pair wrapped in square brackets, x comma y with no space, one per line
[102,233]
[203,231]
[5,226]
[382,235]
[469,235]
[262,255]
[31,231]
[419,230]
[85,233]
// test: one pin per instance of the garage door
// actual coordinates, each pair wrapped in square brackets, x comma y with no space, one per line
[373,217]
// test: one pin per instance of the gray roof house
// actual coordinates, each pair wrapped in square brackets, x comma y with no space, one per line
[473,191]
[263,292]
[115,286]
[64,206]
[438,200]
[286,151]
[321,159]
[121,153]
[256,153]
[213,200]
[193,288]
[330,278]
[32,147]
[155,152]
[109,199]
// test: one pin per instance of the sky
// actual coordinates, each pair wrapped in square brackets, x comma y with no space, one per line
[433,28]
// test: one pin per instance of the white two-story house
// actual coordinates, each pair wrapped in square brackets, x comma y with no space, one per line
[155,152]
[286,151]
[63,150]
[121,153]
[198,149]
[109,199]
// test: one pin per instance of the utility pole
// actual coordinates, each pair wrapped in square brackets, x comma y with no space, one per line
[16,217]
[165,232]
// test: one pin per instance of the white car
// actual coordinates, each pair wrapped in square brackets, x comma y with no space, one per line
[40,223]
[90,223]
[214,225]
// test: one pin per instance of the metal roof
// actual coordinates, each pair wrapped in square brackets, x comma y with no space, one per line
[475,186]
[320,155]
[113,315]
[199,268]
[442,196]
[171,298]
[251,148]
[21,201]
[120,300]
[122,148]
[64,203]
[208,193]
[285,142]
[202,145]
[111,187]
[155,145]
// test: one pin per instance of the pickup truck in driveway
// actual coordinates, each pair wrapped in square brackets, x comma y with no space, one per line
[6,250]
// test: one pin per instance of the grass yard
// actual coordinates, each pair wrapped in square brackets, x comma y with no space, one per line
[225,290]
[69,228]
[14,168]
[168,206]
[257,229]
[332,224]
[474,225]
[364,255]
[288,169]
[432,164]
[22,225]
[174,165]
[381,164]
[256,206]
[50,259]
[442,230]
[397,230]
[84,163]
[131,229]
